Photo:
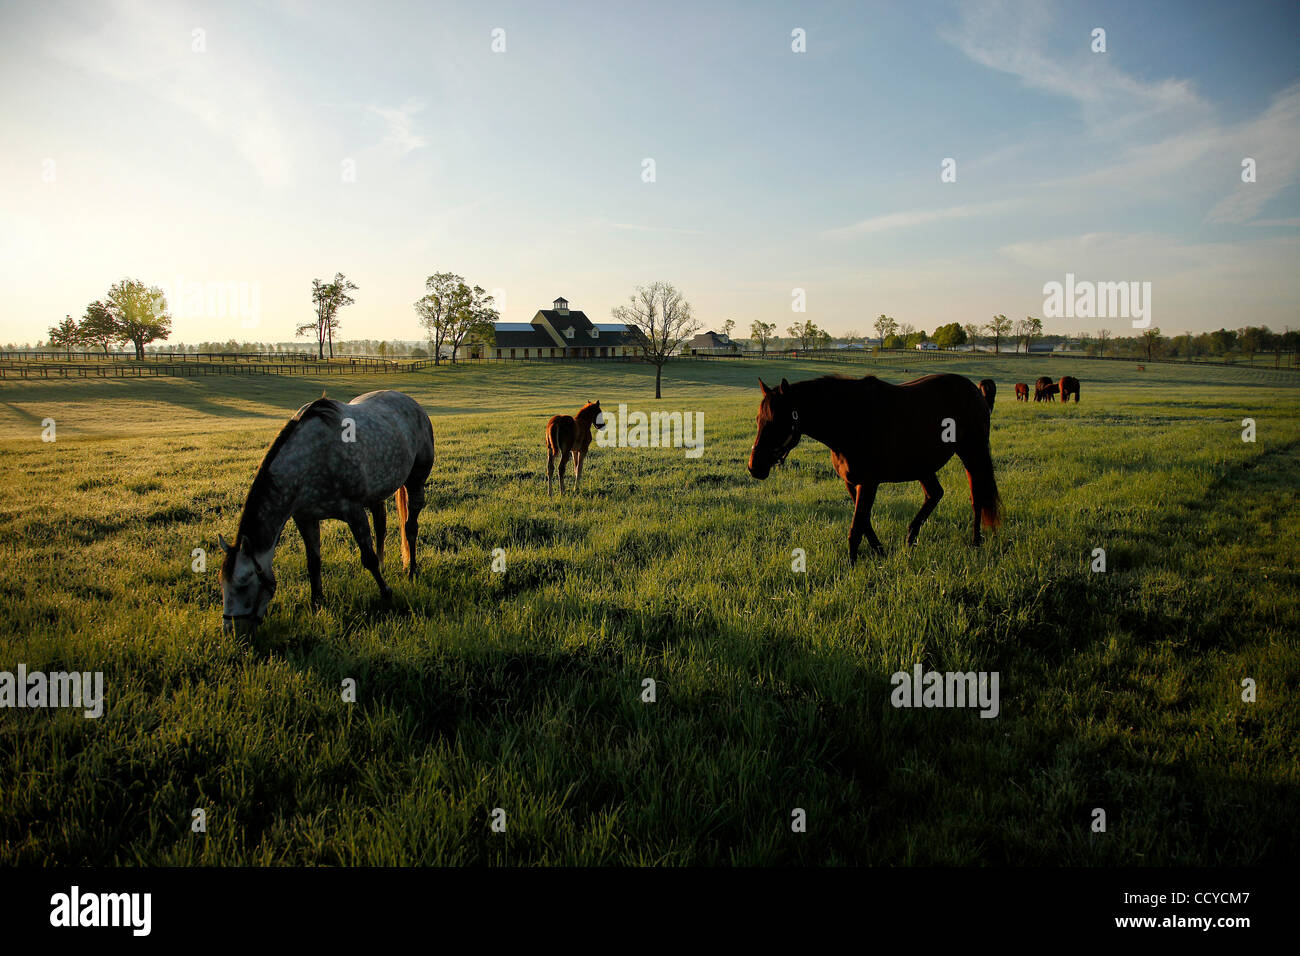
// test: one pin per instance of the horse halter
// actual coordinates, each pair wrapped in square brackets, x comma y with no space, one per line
[795,434]
[268,584]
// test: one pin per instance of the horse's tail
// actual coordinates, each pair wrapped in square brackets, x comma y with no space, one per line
[984,486]
[403,508]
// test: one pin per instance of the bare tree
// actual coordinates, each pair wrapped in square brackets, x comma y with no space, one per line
[327,298]
[664,318]
[1102,336]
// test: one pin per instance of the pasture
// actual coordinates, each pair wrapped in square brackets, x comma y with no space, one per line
[523,690]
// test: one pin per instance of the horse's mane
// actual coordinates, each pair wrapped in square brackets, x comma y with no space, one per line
[322,408]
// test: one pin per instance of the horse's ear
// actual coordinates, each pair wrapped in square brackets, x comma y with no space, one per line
[766,390]
[785,386]
[224,545]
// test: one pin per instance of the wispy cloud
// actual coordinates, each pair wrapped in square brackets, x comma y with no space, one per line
[151,49]
[1271,140]
[1012,36]
[1172,140]
[920,217]
[400,137]
[633,227]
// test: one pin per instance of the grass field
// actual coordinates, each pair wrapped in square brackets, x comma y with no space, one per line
[522,691]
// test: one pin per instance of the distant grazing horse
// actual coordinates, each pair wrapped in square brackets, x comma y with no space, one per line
[1045,390]
[1022,392]
[329,461]
[1069,386]
[989,389]
[570,435]
[878,432]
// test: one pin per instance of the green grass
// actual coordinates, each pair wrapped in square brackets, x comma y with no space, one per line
[522,691]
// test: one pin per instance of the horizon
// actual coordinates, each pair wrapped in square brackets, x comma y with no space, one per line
[279,144]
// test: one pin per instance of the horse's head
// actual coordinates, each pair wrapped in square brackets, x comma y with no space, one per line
[592,414]
[778,429]
[246,588]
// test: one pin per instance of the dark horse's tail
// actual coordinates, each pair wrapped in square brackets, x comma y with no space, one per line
[983,486]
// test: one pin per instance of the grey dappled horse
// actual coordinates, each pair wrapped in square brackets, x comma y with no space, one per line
[330,460]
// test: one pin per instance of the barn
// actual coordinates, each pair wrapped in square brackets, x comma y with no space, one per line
[560,332]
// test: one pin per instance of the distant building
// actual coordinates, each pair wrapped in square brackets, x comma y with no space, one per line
[712,342]
[561,332]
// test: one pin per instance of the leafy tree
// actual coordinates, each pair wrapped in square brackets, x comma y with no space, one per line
[664,318]
[473,316]
[949,336]
[762,333]
[66,334]
[998,326]
[885,327]
[727,327]
[1028,329]
[806,332]
[1223,341]
[139,314]
[446,297]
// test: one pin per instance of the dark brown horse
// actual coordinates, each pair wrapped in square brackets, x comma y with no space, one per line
[570,435]
[989,389]
[1022,392]
[883,433]
[1069,385]
[1045,389]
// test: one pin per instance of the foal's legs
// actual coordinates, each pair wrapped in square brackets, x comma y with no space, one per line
[380,513]
[578,458]
[550,473]
[933,494]
[564,460]
[310,531]
[369,560]
[866,497]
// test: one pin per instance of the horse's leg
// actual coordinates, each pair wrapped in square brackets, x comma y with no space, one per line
[411,527]
[577,469]
[380,513]
[550,473]
[310,531]
[564,461]
[369,560]
[933,494]
[862,522]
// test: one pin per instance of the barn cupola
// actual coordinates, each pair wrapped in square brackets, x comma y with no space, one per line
[561,305]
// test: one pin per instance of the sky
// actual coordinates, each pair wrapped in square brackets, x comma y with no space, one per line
[231,152]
